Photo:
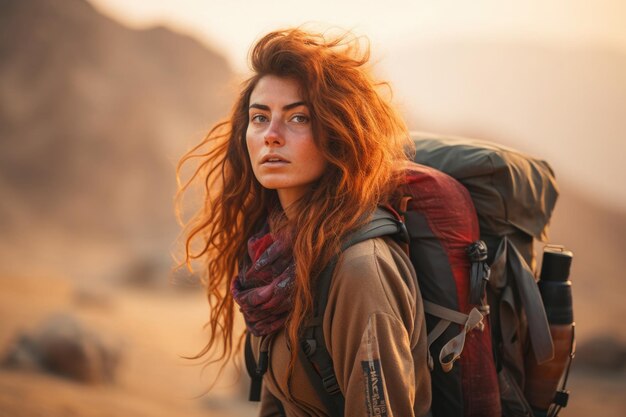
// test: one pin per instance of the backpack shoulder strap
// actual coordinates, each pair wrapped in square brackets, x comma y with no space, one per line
[382,223]
[313,353]
[256,380]
[256,377]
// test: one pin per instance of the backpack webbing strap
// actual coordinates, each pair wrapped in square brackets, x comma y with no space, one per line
[445,313]
[324,381]
[312,352]
[256,370]
[509,265]
[382,223]
[256,377]
[453,348]
[256,381]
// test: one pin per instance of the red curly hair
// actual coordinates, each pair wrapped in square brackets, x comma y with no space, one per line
[356,129]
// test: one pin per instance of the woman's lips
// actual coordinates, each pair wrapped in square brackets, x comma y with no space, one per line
[276,163]
[273,160]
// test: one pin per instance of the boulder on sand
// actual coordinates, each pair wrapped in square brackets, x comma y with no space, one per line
[64,346]
[604,353]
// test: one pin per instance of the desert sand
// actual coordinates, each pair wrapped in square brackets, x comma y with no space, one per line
[154,328]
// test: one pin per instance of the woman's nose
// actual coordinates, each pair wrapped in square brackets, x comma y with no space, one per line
[274,135]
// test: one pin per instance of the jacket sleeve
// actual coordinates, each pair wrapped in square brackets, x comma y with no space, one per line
[269,404]
[375,333]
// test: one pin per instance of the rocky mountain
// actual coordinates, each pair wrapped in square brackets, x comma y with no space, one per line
[93,118]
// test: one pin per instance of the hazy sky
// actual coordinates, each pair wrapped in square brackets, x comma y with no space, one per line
[235,24]
[231,26]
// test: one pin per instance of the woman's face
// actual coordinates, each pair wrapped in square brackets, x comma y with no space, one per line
[279,138]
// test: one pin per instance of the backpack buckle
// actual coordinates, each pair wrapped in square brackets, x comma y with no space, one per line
[398,217]
[403,233]
[309,346]
[477,251]
[330,384]
[479,271]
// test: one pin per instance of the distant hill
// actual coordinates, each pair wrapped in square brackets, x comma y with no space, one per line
[93,117]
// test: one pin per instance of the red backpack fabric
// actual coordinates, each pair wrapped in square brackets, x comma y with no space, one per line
[442,225]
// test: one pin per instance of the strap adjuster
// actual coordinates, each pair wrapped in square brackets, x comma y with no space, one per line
[330,384]
[309,346]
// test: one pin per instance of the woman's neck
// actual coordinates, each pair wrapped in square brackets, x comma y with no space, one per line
[288,200]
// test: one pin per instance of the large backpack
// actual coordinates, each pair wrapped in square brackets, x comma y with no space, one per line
[514,196]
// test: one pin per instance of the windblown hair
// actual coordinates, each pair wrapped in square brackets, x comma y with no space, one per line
[357,131]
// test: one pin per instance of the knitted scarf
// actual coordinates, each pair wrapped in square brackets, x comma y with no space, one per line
[264,284]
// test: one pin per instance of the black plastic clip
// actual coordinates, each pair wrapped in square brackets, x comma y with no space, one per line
[330,384]
[403,233]
[479,271]
[561,398]
[309,346]
[477,251]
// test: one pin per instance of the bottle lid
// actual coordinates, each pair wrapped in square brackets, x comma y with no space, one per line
[556,263]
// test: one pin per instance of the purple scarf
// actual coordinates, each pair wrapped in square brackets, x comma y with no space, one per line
[265,282]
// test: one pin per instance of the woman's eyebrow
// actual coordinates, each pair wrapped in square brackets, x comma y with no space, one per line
[294,105]
[286,107]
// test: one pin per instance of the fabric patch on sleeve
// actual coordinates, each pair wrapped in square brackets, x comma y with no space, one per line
[373,378]
[374,390]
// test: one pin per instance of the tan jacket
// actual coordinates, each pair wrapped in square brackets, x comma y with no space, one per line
[376,335]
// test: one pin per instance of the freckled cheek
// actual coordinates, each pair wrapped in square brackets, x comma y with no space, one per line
[316,162]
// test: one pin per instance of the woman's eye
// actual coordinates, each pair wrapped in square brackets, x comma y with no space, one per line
[300,118]
[258,118]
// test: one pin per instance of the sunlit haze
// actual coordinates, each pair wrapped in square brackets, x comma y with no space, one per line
[551,110]
[231,26]
[105,104]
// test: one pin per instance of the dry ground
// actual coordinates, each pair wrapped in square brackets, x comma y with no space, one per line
[155,327]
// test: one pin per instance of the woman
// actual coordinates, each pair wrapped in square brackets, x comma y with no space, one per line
[310,150]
